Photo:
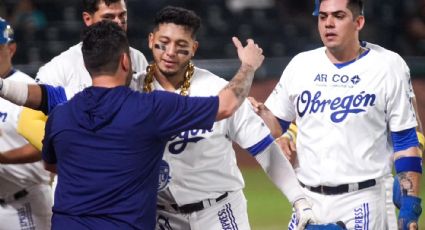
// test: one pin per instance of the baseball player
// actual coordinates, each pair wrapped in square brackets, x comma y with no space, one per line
[25,194]
[347,105]
[107,175]
[200,184]
[396,62]
[67,69]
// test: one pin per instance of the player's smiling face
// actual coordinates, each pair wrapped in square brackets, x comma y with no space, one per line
[116,12]
[338,27]
[172,47]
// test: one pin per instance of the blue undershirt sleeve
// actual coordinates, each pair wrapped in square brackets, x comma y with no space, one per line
[284,124]
[404,139]
[51,97]
[260,146]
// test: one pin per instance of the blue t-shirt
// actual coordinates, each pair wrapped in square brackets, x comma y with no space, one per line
[107,145]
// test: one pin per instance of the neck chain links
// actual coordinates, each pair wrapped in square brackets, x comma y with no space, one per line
[359,54]
[184,88]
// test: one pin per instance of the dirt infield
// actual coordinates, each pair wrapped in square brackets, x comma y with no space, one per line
[261,89]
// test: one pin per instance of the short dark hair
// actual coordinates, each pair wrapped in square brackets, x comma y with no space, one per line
[103,44]
[179,16]
[91,6]
[356,7]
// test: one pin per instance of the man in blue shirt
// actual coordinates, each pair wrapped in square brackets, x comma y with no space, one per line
[106,143]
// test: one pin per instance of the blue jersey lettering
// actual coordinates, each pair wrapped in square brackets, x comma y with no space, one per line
[307,103]
[182,139]
[3,116]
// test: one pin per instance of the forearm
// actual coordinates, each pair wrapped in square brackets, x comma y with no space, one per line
[409,178]
[234,93]
[280,171]
[21,93]
[271,122]
[22,155]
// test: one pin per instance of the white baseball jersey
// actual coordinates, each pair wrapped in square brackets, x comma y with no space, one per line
[201,164]
[397,64]
[14,177]
[344,115]
[67,70]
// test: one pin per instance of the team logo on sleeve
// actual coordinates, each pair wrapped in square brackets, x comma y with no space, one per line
[164,175]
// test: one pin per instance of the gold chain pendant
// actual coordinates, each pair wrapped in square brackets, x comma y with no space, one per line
[184,88]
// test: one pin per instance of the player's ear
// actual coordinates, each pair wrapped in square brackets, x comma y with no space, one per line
[360,21]
[125,62]
[12,48]
[87,18]
[195,47]
[150,40]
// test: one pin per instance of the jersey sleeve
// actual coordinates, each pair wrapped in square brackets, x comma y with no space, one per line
[175,113]
[401,67]
[51,73]
[279,102]
[248,130]
[400,111]
[52,97]
[139,61]
[31,125]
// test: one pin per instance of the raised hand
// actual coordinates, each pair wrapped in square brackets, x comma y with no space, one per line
[251,54]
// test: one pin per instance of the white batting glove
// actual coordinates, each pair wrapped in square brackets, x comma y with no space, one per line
[304,213]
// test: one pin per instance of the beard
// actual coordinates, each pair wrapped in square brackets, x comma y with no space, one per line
[169,73]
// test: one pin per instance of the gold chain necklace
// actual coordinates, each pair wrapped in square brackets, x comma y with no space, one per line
[184,88]
[359,54]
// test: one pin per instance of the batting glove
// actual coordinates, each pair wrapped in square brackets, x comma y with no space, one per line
[304,213]
[410,211]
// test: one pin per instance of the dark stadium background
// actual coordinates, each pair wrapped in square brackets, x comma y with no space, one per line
[282,27]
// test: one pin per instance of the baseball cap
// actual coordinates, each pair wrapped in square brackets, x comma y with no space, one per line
[6,32]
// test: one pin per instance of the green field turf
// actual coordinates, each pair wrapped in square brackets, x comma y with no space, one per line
[269,210]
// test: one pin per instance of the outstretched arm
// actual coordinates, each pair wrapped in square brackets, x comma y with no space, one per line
[31,126]
[267,116]
[283,176]
[21,155]
[233,94]
[21,93]
[287,140]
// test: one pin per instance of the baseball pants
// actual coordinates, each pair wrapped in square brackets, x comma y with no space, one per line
[227,214]
[364,209]
[28,209]
[391,215]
